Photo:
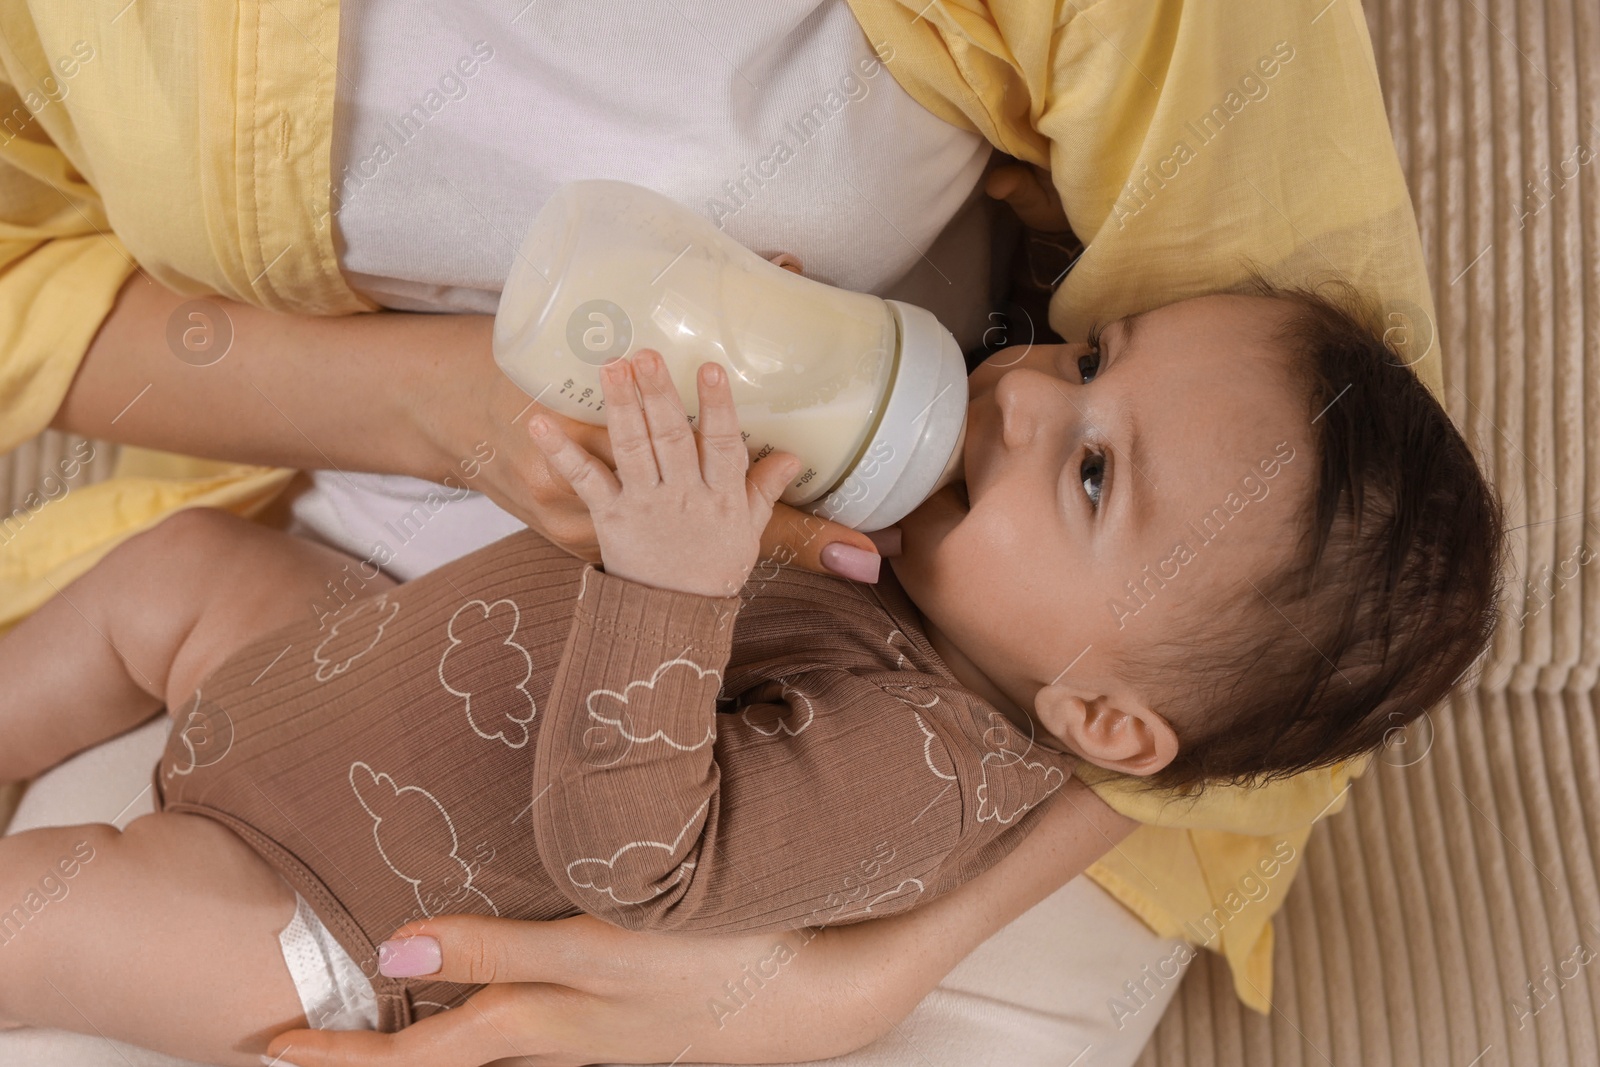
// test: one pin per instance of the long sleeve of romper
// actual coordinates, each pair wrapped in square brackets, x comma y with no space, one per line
[822,796]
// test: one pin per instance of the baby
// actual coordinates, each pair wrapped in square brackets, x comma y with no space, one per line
[1227,539]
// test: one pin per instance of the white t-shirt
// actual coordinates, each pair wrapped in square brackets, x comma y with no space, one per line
[454,123]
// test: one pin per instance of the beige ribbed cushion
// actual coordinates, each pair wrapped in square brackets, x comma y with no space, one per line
[1426,909]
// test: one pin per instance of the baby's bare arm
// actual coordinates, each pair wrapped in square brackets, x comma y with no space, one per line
[146,625]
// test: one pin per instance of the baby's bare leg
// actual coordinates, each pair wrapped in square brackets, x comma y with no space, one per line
[164,935]
[146,625]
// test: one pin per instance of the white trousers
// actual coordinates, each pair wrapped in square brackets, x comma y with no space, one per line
[1037,992]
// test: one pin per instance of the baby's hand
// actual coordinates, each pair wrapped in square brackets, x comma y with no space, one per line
[684,517]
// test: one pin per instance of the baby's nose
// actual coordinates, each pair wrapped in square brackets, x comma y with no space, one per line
[1029,399]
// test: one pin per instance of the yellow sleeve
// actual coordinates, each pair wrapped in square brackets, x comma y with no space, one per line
[1190,140]
[61,269]
[60,266]
[54,293]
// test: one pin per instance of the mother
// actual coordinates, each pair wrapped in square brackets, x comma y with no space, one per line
[197,197]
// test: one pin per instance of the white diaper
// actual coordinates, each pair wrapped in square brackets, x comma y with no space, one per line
[333,991]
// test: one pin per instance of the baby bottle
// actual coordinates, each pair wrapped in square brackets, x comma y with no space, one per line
[871,394]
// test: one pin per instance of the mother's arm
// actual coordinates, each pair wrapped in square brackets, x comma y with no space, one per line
[387,392]
[578,991]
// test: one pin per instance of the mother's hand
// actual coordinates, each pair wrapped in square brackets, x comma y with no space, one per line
[579,991]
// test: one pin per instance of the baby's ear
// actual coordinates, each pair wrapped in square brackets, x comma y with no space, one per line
[1118,733]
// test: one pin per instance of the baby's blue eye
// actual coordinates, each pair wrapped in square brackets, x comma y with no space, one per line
[1092,470]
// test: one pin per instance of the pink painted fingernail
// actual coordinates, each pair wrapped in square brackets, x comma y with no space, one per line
[538,426]
[848,561]
[409,957]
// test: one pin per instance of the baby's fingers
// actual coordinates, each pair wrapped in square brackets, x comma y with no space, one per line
[630,439]
[723,457]
[592,480]
[670,435]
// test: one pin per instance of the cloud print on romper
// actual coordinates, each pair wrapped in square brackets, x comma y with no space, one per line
[422,847]
[489,671]
[895,898]
[353,636]
[622,711]
[934,752]
[628,876]
[790,718]
[1012,784]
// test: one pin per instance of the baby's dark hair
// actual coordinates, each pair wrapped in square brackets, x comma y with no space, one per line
[1390,595]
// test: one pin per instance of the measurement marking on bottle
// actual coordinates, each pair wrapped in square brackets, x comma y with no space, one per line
[587,397]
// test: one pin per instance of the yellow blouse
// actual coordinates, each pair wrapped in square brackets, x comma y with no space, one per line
[1188,140]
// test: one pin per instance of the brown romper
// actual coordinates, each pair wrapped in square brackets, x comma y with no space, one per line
[518,733]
